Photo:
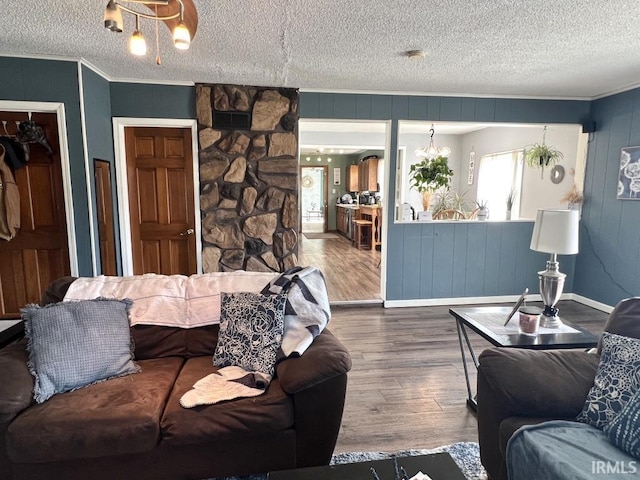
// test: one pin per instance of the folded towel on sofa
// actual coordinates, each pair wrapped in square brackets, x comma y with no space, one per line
[225,384]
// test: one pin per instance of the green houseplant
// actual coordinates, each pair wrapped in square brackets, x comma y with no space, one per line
[541,155]
[429,175]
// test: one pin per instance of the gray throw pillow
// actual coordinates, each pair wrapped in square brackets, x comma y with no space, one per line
[617,379]
[75,344]
[251,327]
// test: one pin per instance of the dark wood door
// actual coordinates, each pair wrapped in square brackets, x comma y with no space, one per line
[104,206]
[161,206]
[39,253]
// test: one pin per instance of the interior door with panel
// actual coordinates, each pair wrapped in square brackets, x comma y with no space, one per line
[161,205]
[104,207]
[39,253]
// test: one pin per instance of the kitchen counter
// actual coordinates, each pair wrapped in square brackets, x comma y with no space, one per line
[351,206]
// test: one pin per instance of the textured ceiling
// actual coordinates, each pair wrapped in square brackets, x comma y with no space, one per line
[532,48]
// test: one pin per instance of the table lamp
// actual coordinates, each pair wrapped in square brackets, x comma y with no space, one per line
[555,232]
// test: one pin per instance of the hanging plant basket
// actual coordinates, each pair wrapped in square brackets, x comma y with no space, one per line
[541,155]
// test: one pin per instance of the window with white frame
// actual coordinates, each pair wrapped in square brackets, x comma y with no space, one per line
[500,178]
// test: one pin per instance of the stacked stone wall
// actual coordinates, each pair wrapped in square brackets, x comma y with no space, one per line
[249,179]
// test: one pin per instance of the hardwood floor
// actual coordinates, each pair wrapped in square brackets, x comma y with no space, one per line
[352,275]
[406,388]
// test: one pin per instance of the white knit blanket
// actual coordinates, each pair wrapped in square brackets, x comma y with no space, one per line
[225,384]
[171,300]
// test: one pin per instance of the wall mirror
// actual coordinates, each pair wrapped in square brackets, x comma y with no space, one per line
[490,165]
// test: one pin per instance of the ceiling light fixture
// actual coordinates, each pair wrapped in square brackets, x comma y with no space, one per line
[432,151]
[137,43]
[113,20]
[416,55]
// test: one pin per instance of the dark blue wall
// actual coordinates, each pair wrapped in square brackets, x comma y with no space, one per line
[139,100]
[99,133]
[441,260]
[608,266]
[424,260]
[56,81]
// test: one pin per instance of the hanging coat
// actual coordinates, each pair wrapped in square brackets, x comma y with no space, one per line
[9,201]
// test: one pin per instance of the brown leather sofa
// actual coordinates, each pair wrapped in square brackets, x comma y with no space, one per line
[134,427]
[525,387]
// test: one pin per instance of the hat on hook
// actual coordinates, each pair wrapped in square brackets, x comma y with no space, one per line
[30,132]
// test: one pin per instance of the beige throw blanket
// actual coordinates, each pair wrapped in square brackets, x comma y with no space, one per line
[170,300]
[225,384]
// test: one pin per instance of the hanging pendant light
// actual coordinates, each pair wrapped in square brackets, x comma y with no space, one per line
[430,152]
[113,17]
[137,43]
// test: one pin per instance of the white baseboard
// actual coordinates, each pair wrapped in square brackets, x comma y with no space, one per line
[603,307]
[355,303]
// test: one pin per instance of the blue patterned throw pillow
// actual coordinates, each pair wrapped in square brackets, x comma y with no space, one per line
[617,379]
[75,344]
[251,327]
[624,429]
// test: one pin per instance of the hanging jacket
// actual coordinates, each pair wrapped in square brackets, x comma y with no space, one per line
[9,201]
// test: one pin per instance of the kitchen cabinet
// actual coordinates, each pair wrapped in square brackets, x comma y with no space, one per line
[352,178]
[344,218]
[368,175]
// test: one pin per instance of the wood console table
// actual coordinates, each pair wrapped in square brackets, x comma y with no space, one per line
[373,213]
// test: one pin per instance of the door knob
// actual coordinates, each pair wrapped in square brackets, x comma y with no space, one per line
[190,231]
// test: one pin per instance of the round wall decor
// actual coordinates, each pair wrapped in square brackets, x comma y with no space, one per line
[307,181]
[557,174]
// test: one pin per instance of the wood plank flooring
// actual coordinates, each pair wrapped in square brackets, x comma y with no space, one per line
[406,388]
[352,275]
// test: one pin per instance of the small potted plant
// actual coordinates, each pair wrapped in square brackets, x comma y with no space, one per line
[429,175]
[573,197]
[483,210]
[511,198]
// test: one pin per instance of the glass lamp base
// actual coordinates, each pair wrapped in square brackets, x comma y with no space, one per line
[550,322]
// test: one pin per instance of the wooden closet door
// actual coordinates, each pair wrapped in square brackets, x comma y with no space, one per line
[39,253]
[161,205]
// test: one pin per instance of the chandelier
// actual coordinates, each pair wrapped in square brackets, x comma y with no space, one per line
[432,151]
[113,20]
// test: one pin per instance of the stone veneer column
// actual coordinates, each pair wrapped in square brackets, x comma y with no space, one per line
[249,179]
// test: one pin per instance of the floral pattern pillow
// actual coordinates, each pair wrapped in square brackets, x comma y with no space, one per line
[251,328]
[617,379]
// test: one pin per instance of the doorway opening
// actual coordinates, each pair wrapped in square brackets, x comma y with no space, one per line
[331,155]
[313,198]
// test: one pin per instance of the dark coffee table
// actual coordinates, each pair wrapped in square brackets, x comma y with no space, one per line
[439,466]
[10,330]
[488,322]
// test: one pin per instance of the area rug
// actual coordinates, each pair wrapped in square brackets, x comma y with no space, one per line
[465,454]
[319,236]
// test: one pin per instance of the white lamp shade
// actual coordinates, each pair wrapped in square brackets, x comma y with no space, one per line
[556,231]
[181,36]
[137,44]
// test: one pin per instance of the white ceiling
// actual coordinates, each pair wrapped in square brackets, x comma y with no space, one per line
[531,48]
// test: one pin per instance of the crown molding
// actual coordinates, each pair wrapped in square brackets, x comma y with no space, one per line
[445,94]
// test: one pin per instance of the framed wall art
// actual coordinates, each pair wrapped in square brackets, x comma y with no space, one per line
[336,176]
[629,176]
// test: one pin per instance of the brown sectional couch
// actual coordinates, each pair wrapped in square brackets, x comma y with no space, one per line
[134,426]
